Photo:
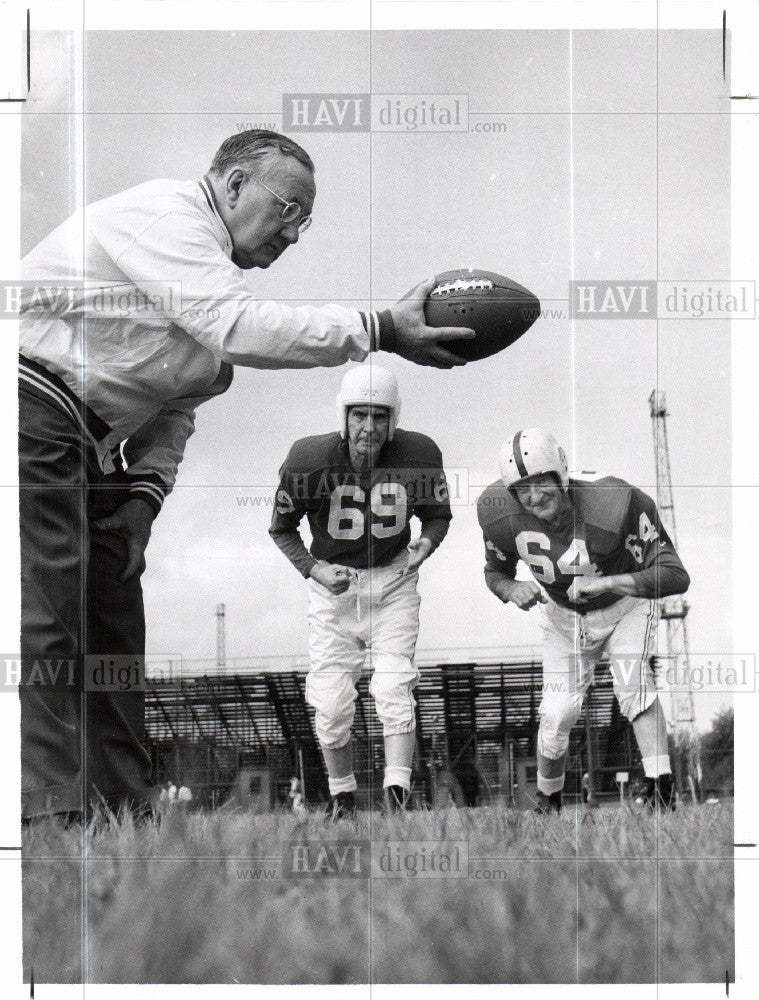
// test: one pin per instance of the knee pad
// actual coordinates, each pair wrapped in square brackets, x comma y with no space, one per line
[333,698]
[393,681]
[557,716]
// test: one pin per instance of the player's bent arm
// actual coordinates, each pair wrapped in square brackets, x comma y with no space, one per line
[662,572]
[584,588]
[291,544]
[434,529]
[500,584]
[500,571]
[665,577]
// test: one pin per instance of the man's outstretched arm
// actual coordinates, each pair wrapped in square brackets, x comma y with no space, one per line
[218,308]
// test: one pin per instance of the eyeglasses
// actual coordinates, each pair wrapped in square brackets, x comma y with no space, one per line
[291,211]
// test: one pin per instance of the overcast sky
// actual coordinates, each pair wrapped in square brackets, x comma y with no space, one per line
[570,187]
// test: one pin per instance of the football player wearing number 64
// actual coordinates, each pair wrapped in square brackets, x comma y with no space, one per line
[599,557]
[359,487]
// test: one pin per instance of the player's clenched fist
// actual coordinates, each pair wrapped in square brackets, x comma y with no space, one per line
[334,577]
[524,594]
[583,588]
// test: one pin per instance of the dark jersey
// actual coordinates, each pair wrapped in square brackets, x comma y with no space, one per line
[360,519]
[614,528]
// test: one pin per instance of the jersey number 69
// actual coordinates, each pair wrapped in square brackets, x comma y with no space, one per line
[387,501]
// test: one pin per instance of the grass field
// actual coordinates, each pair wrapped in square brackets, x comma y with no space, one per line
[606,896]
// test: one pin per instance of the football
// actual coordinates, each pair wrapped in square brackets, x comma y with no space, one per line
[496,308]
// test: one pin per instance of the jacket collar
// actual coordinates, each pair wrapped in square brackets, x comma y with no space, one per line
[207,189]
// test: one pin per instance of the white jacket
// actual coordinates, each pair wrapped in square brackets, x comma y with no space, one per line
[135,304]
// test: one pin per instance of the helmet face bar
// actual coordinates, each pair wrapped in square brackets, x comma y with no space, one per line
[532,452]
[369,385]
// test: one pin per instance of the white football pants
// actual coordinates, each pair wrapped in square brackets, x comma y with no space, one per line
[376,621]
[573,644]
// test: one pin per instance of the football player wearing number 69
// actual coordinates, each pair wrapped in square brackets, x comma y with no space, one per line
[359,488]
[600,557]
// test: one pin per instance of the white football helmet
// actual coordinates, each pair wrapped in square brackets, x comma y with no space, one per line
[530,453]
[369,385]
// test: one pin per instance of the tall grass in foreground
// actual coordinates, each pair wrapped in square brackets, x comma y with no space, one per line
[591,897]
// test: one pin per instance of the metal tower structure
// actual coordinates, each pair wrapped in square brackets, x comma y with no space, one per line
[674,612]
[221,640]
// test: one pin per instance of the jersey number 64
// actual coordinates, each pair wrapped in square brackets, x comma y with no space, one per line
[574,562]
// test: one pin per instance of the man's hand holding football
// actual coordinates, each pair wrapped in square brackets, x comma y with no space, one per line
[334,577]
[418,342]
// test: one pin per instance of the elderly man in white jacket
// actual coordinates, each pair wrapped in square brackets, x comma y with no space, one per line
[134,311]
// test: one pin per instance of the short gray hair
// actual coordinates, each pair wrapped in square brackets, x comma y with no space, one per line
[247,147]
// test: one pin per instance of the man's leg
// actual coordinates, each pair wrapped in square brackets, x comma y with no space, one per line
[399,759]
[339,764]
[117,760]
[549,770]
[567,672]
[394,631]
[630,647]
[336,661]
[399,752]
[53,465]
[54,550]
[650,728]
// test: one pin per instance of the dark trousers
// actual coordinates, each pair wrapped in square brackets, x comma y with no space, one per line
[79,745]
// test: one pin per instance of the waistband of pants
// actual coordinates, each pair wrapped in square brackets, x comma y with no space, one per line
[35,379]
[397,562]
[603,616]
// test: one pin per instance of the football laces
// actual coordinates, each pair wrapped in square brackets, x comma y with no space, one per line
[463,285]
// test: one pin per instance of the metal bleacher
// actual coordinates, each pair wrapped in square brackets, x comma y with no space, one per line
[202,728]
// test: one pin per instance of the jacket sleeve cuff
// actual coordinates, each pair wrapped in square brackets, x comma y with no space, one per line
[381,330]
[153,491]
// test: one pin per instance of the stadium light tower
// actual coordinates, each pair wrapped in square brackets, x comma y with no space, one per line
[221,639]
[674,610]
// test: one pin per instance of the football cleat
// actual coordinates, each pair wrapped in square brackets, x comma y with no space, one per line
[396,798]
[548,803]
[369,385]
[532,452]
[659,793]
[342,806]
[66,820]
